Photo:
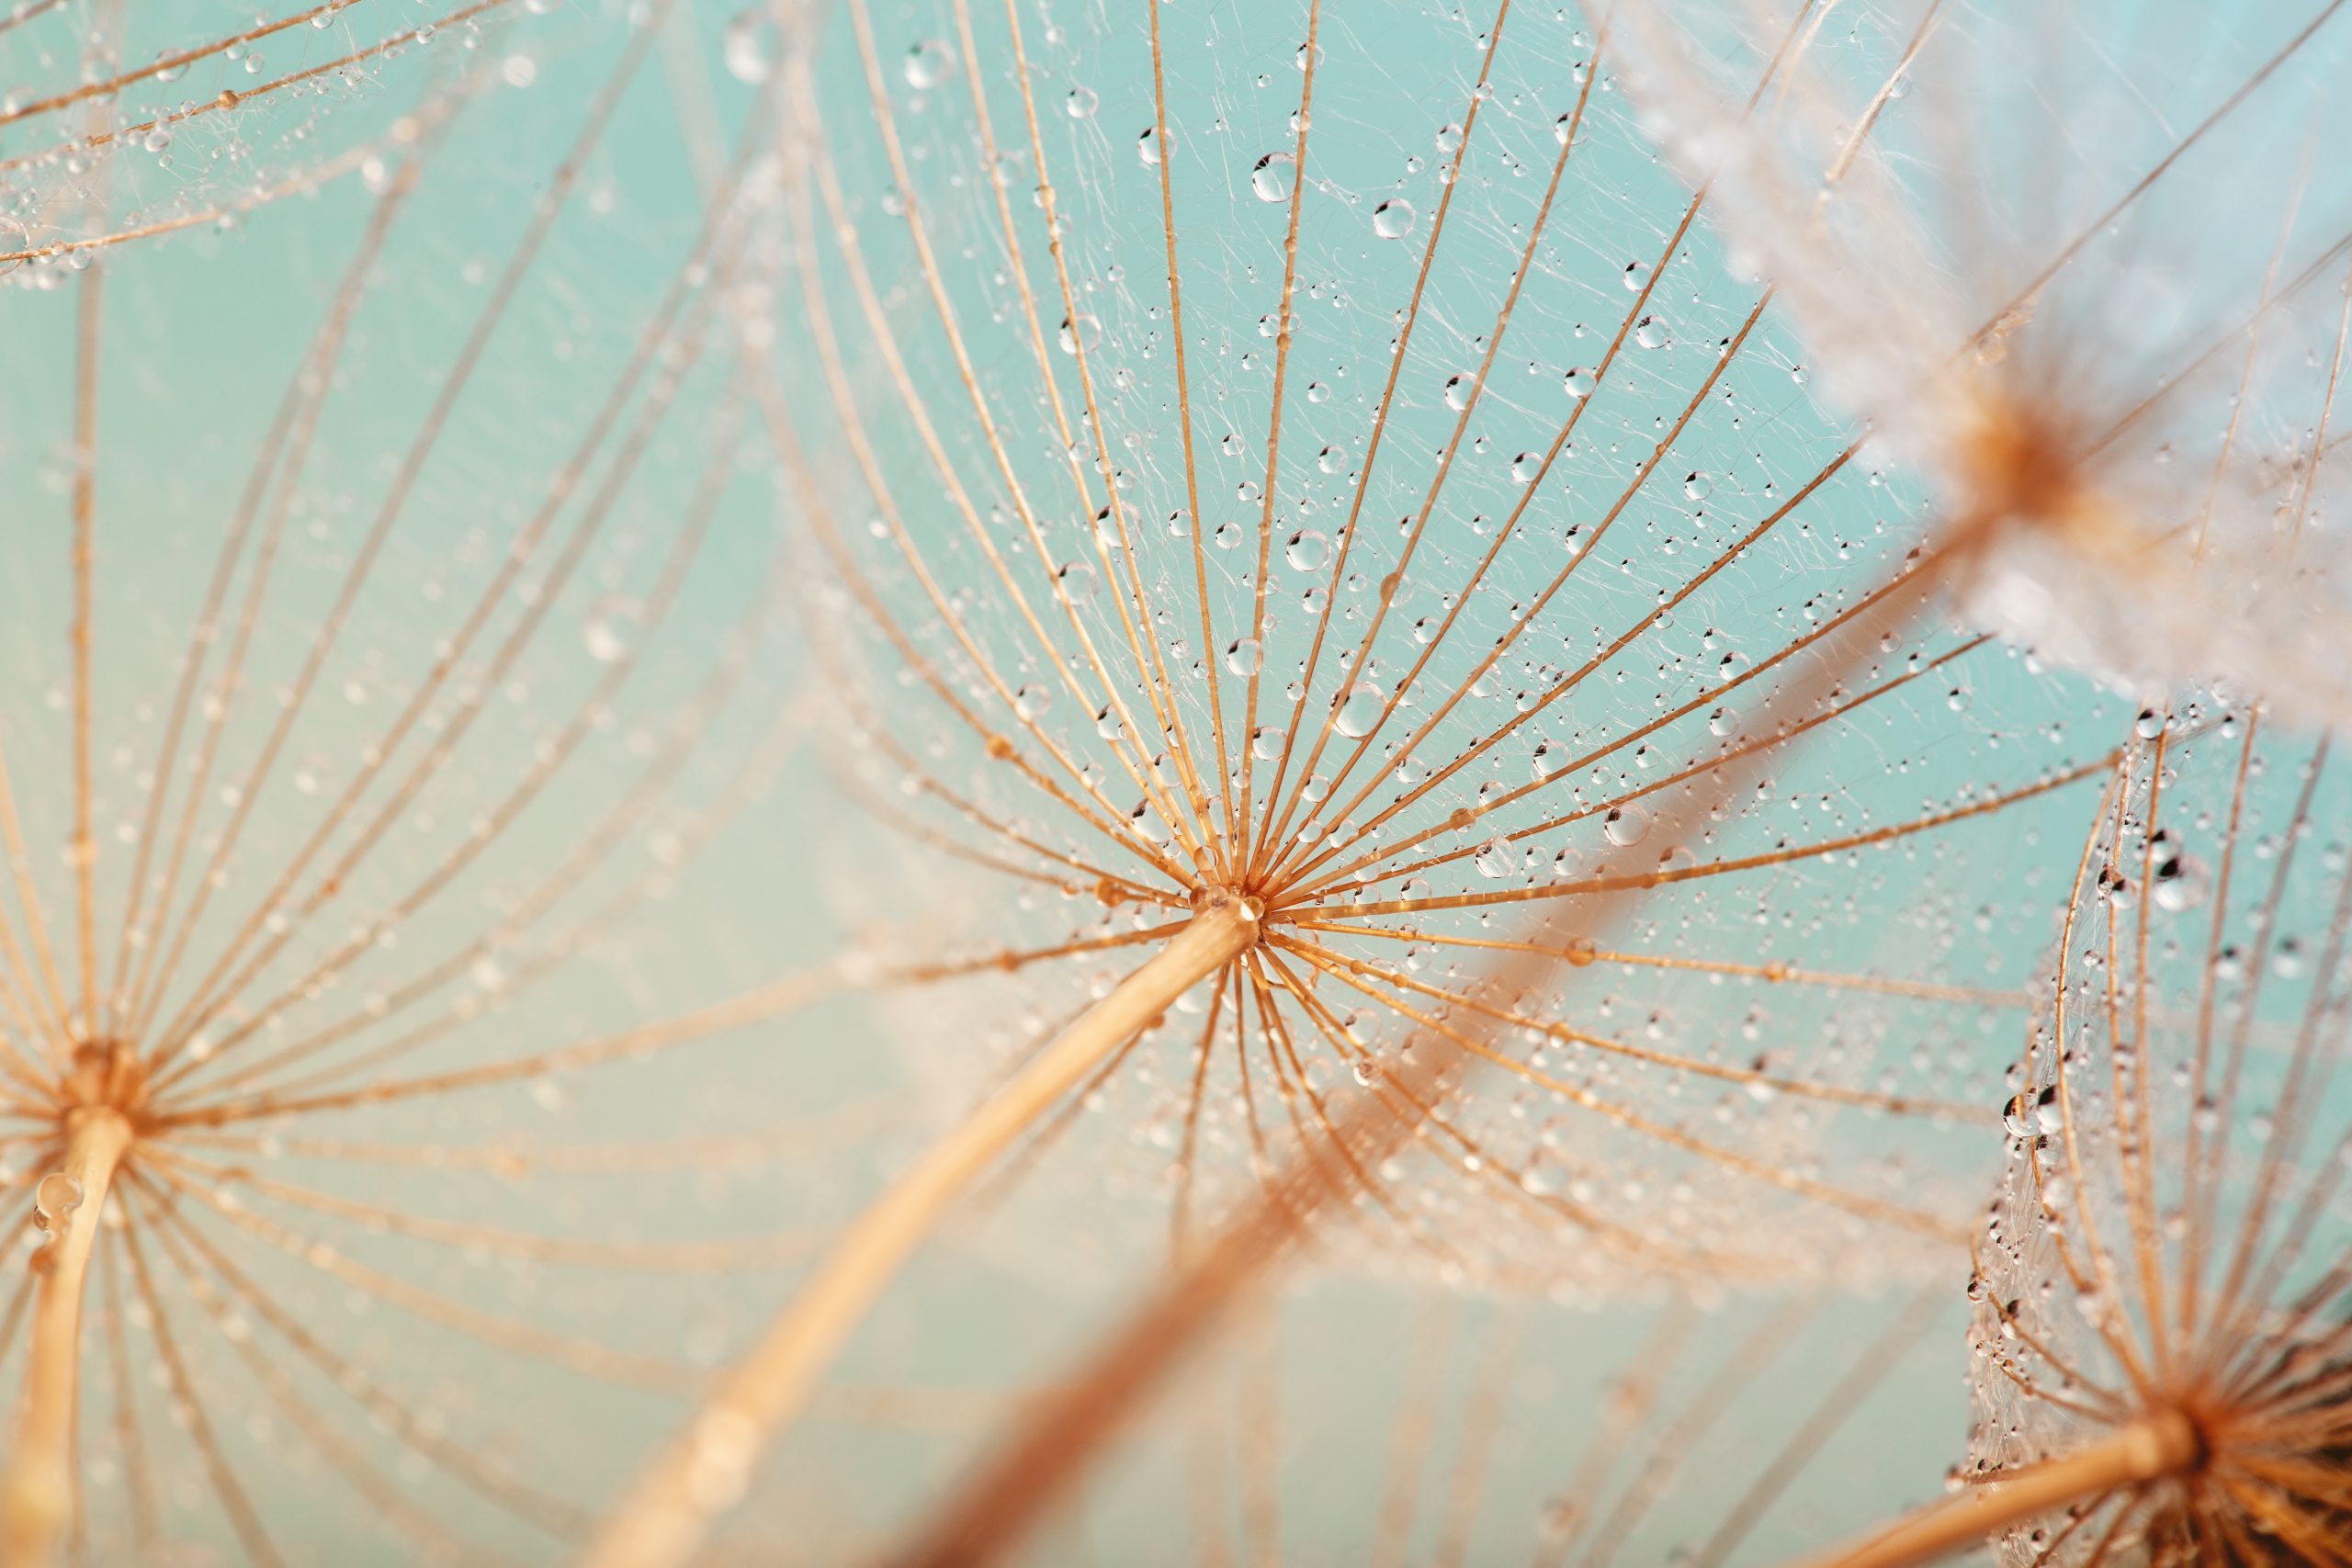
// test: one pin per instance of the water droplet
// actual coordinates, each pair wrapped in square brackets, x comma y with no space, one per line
[1077,331]
[1577,384]
[2149,725]
[1332,459]
[2017,1116]
[1525,467]
[1449,139]
[1031,702]
[1082,103]
[1580,950]
[1149,825]
[1307,550]
[748,46]
[1625,825]
[1637,274]
[1273,176]
[1361,710]
[610,627]
[1650,333]
[1244,656]
[1550,758]
[1459,390]
[57,1196]
[1698,486]
[1148,146]
[2182,882]
[1393,219]
[928,64]
[1496,859]
[1265,743]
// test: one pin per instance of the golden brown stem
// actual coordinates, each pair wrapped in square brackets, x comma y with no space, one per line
[37,1493]
[2148,1449]
[705,1469]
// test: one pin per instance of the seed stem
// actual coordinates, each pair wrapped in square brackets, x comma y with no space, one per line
[2151,1449]
[37,1493]
[705,1469]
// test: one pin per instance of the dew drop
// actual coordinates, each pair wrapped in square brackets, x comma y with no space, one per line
[1393,219]
[1625,825]
[1525,467]
[2181,883]
[1577,384]
[1698,486]
[1637,274]
[1244,656]
[1498,858]
[1459,390]
[1077,578]
[748,46]
[1650,333]
[1082,103]
[57,1196]
[928,64]
[1361,710]
[1307,550]
[1272,178]
[610,627]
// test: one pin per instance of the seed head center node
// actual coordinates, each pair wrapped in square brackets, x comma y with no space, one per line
[1210,895]
[107,1074]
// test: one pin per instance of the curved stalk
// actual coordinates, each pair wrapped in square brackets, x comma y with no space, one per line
[2151,1449]
[37,1495]
[702,1473]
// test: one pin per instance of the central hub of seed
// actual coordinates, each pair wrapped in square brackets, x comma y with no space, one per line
[107,1074]
[1210,895]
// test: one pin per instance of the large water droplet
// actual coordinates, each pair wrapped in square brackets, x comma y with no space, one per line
[1577,384]
[2181,883]
[928,64]
[1393,219]
[1272,178]
[1307,550]
[1625,825]
[1361,710]
[57,1196]
[748,46]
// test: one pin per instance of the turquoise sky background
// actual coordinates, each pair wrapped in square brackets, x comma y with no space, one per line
[204,328]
